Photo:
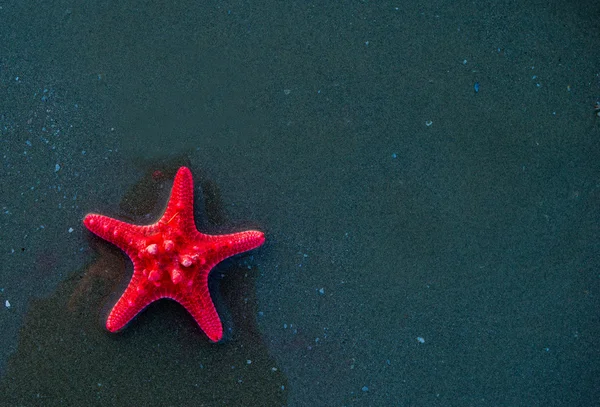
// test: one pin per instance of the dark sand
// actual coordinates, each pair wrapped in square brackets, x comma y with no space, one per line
[427,244]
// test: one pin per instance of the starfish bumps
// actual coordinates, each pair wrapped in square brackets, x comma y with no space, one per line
[171,259]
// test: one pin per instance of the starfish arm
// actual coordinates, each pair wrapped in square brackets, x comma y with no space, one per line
[128,306]
[136,297]
[122,234]
[180,209]
[202,309]
[224,246]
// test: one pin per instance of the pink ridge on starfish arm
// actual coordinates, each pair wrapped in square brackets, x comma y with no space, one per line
[171,259]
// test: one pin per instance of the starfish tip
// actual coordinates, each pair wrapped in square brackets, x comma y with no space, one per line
[89,219]
[111,326]
[215,337]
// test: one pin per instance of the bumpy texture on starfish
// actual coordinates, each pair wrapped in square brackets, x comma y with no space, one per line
[171,259]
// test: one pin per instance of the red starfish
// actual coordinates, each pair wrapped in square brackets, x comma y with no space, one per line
[171,259]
